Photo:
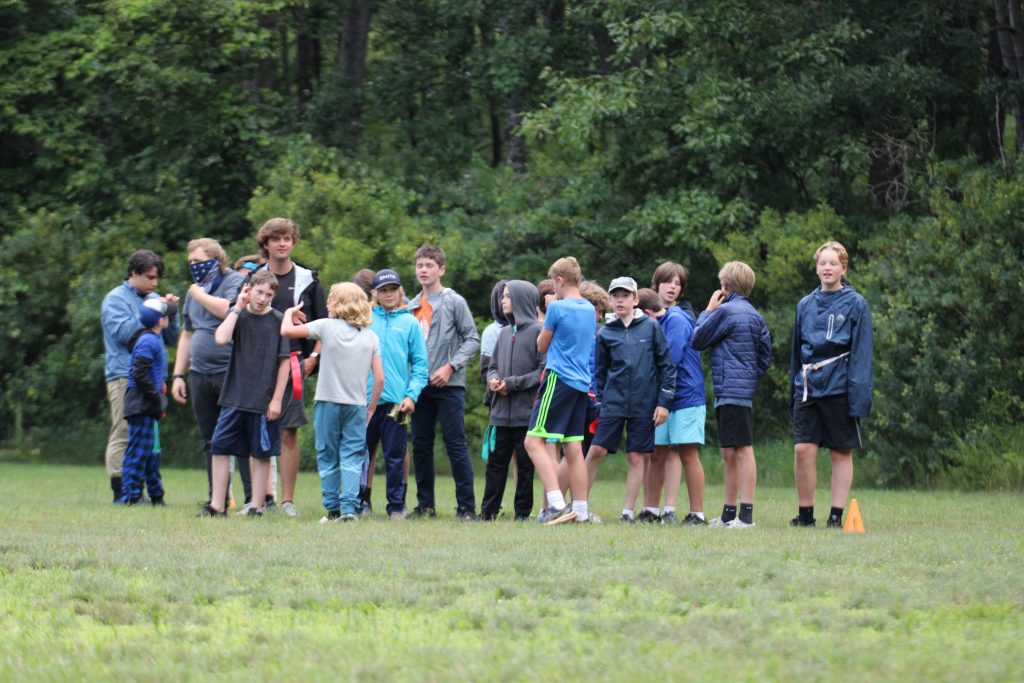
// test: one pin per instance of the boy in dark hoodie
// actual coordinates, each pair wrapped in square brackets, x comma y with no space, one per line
[513,376]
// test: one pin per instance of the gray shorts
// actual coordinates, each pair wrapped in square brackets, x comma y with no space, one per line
[293,413]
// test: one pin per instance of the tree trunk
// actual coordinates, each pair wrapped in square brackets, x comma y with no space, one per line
[307,52]
[516,144]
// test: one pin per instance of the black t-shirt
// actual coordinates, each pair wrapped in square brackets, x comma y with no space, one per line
[284,299]
[252,372]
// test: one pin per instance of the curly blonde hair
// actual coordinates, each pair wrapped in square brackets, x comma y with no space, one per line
[347,301]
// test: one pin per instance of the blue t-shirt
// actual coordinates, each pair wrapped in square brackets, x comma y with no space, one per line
[572,323]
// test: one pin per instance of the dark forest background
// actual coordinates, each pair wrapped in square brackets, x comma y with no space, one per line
[625,132]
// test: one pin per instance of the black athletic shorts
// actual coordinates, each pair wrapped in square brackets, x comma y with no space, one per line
[735,425]
[826,422]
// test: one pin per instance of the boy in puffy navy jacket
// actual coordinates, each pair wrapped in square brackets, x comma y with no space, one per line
[144,403]
[741,351]
[830,381]
[635,382]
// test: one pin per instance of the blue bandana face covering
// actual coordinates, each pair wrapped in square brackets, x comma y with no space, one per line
[206,273]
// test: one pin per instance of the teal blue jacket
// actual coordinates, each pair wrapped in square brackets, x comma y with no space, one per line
[403,354]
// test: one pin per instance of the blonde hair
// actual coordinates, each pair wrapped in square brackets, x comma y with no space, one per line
[212,249]
[737,277]
[840,250]
[595,294]
[567,268]
[347,301]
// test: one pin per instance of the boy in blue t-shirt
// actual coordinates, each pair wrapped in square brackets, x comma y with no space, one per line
[560,409]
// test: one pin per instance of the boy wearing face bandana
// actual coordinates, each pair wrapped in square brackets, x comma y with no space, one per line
[215,286]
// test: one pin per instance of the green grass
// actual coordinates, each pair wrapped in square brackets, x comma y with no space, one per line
[932,592]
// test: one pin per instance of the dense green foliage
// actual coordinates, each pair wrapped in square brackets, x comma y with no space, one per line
[621,131]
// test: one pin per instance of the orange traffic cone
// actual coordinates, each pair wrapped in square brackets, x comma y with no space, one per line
[854,523]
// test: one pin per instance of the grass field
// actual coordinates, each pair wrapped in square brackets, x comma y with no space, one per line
[933,592]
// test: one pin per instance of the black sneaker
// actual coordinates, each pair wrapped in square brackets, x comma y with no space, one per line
[466,515]
[208,511]
[270,504]
[130,502]
[253,512]
[796,521]
[648,517]
[669,518]
[367,509]
[422,512]
[693,520]
[834,523]
[157,502]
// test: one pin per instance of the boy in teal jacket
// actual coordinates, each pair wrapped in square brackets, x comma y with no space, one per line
[404,355]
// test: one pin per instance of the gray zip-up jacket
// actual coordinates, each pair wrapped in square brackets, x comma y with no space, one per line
[516,359]
[452,336]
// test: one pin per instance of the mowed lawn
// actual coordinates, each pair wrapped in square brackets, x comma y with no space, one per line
[934,591]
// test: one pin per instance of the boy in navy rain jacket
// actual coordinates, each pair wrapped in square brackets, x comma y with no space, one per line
[830,381]
[635,382]
[741,351]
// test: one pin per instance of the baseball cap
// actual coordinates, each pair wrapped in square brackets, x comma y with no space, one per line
[627,283]
[152,310]
[386,277]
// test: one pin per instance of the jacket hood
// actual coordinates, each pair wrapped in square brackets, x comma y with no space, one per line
[379,310]
[524,301]
[612,319]
[496,294]
[845,291]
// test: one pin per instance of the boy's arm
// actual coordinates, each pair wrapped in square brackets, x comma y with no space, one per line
[274,409]
[795,358]
[600,369]
[711,328]
[226,330]
[467,332]
[171,333]
[764,349]
[216,305]
[117,317]
[378,385]
[862,350]
[420,370]
[142,366]
[544,340]
[527,380]
[179,390]
[666,370]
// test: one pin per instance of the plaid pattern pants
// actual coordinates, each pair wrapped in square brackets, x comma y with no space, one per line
[141,460]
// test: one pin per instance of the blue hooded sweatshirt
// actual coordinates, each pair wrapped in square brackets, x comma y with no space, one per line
[403,354]
[678,329]
[829,324]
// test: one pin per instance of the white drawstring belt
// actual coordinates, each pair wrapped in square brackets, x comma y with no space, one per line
[818,366]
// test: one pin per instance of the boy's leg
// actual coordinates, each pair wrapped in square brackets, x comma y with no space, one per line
[327,427]
[842,476]
[289,460]
[204,392]
[245,467]
[524,480]
[140,445]
[542,455]
[690,457]
[424,421]
[352,454]
[579,482]
[634,478]
[595,456]
[805,471]
[117,439]
[221,472]
[260,469]
[452,413]
[747,466]
[731,475]
[497,472]
[154,483]
[655,472]
[393,440]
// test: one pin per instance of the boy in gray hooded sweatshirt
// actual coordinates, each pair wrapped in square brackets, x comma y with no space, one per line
[513,377]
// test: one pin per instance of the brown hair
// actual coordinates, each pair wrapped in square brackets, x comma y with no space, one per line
[273,228]
[251,258]
[264,277]
[595,294]
[544,288]
[434,253]
[212,249]
[737,277]
[346,301]
[364,278]
[567,268]
[665,272]
[142,260]
[649,299]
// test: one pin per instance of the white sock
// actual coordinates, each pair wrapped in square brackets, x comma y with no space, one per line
[626,512]
[669,508]
[580,508]
[555,500]
[653,511]
[697,514]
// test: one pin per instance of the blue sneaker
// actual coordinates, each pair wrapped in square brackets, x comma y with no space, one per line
[553,516]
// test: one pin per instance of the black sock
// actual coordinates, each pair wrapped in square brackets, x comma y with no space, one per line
[747,513]
[728,513]
[269,498]
[836,515]
[806,514]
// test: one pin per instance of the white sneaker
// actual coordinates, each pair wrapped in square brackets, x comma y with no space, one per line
[717,523]
[397,516]
[244,511]
[288,509]
[739,524]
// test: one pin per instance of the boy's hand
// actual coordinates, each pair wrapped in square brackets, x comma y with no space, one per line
[660,415]
[179,390]
[243,298]
[441,376]
[274,410]
[296,314]
[493,384]
[716,299]
[171,298]
[406,406]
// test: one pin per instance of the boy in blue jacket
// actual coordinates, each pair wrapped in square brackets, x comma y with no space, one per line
[741,351]
[635,383]
[830,381]
[404,357]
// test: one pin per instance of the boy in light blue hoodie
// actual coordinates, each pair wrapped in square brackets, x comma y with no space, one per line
[404,356]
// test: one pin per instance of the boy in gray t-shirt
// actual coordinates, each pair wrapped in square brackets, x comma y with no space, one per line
[349,352]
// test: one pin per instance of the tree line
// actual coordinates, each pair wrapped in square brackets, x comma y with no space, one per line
[620,131]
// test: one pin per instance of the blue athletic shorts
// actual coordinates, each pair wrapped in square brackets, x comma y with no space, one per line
[639,433]
[243,434]
[684,426]
[559,411]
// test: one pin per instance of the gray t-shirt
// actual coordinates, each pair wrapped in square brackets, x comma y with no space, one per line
[252,373]
[346,354]
[204,353]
